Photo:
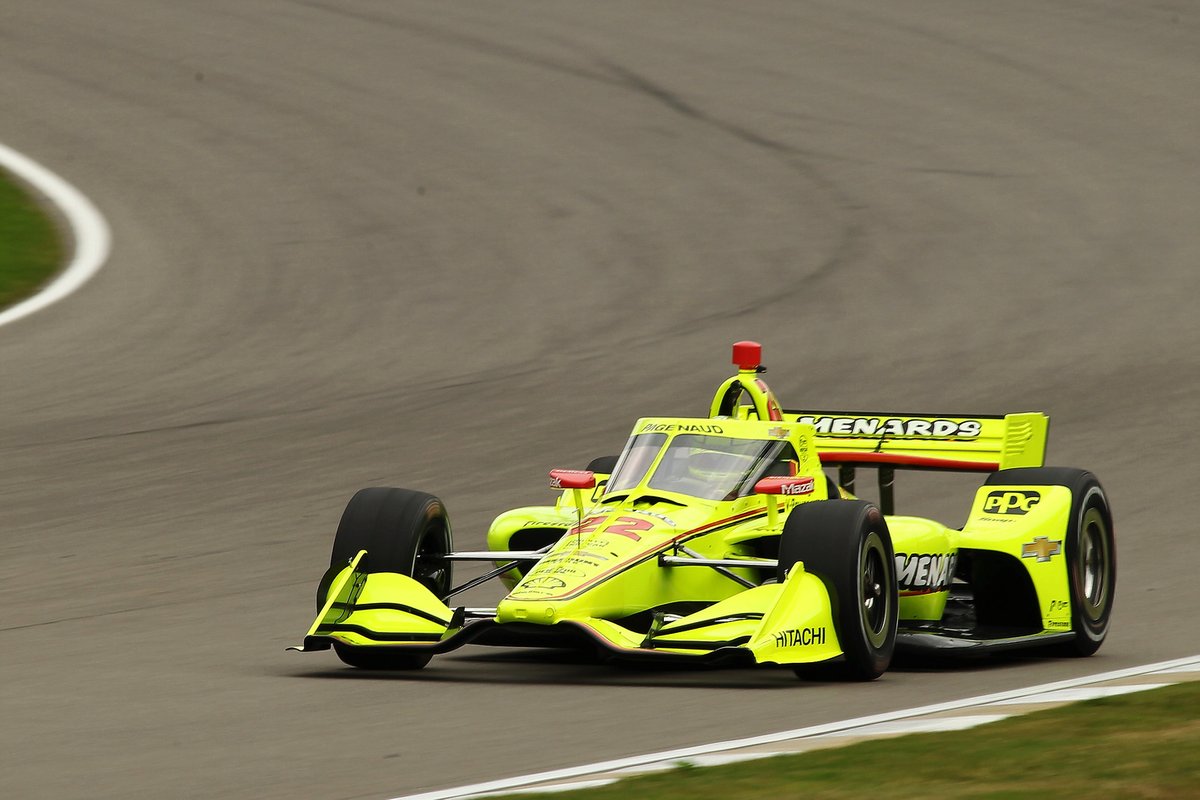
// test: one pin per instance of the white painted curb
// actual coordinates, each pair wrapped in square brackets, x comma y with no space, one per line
[673,756]
[93,240]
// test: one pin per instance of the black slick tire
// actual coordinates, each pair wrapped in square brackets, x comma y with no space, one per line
[846,544]
[603,465]
[403,531]
[1090,547]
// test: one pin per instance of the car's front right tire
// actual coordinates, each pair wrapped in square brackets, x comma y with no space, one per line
[403,531]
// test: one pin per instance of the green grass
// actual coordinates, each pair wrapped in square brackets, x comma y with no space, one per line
[1142,745]
[30,248]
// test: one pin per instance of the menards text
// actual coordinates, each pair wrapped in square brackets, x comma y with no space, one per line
[879,426]
[922,573]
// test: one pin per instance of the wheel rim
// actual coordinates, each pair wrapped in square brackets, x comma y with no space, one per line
[1093,563]
[874,600]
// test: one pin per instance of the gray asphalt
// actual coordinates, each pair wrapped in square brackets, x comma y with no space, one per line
[452,246]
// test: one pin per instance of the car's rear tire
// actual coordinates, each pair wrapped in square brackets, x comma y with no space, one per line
[403,531]
[846,544]
[603,465]
[1090,549]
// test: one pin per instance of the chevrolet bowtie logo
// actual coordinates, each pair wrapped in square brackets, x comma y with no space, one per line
[1042,548]
[780,432]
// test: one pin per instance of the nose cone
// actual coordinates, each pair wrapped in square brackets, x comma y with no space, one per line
[605,547]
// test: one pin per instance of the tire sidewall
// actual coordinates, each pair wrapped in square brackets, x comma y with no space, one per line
[876,646]
[835,539]
[1090,630]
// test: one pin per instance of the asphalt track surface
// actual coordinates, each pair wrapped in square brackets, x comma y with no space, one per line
[451,246]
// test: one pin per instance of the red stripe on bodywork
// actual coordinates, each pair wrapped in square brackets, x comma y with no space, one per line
[916,462]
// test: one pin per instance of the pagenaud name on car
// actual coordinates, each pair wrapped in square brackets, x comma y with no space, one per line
[671,427]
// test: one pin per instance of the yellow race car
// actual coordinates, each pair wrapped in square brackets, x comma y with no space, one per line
[723,540]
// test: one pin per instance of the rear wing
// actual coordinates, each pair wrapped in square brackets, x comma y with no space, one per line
[889,442]
[942,442]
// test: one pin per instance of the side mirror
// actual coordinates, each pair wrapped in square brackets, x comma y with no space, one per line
[787,486]
[573,479]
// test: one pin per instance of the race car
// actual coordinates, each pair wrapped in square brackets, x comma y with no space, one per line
[721,540]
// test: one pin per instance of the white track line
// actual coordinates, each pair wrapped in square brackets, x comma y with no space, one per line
[523,781]
[91,234]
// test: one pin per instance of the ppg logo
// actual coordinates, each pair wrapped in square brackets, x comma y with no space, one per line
[1010,502]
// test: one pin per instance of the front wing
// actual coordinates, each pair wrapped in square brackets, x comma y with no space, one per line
[776,623]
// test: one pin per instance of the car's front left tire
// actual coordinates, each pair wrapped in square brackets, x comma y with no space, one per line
[847,545]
